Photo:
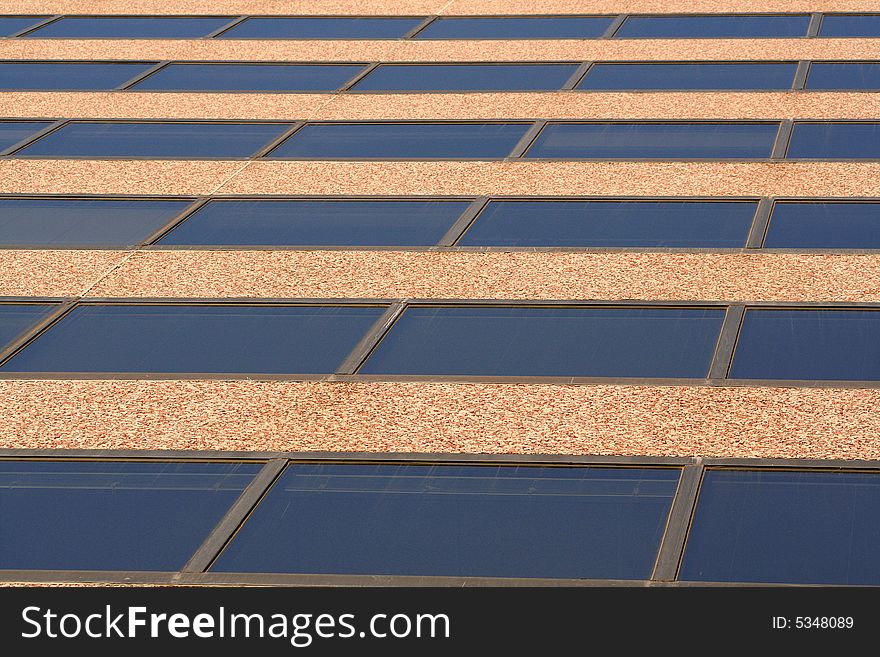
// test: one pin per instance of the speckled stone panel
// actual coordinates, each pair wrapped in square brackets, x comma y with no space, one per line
[142,105]
[438,51]
[559,178]
[53,273]
[518,275]
[224,7]
[114,176]
[451,106]
[464,7]
[439,417]
[600,105]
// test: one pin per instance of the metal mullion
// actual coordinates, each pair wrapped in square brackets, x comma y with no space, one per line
[224,28]
[460,225]
[361,351]
[815,24]
[727,337]
[268,148]
[359,76]
[234,517]
[675,537]
[27,141]
[577,76]
[526,140]
[418,28]
[194,206]
[140,76]
[615,25]
[35,331]
[800,76]
[32,28]
[783,136]
[760,221]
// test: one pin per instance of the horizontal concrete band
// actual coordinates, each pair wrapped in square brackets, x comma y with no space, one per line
[448,7]
[446,106]
[442,51]
[513,178]
[402,274]
[437,417]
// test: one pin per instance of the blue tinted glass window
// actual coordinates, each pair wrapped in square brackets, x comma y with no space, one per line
[467,77]
[193,140]
[129,27]
[112,516]
[654,140]
[12,24]
[785,528]
[83,222]
[457,520]
[248,77]
[234,339]
[16,318]
[64,75]
[855,25]
[835,140]
[824,226]
[808,345]
[321,28]
[316,223]
[523,27]
[487,341]
[12,132]
[713,27]
[844,75]
[611,223]
[689,76]
[401,140]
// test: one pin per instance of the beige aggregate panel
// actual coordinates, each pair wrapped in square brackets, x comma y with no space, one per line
[53,273]
[559,178]
[438,51]
[464,7]
[522,275]
[226,7]
[435,417]
[114,176]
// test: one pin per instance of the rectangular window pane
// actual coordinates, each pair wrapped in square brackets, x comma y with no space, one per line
[854,25]
[467,77]
[12,132]
[520,27]
[331,141]
[317,223]
[808,345]
[713,27]
[844,75]
[130,27]
[689,76]
[611,224]
[654,140]
[447,520]
[83,222]
[10,25]
[824,226]
[534,341]
[785,528]
[155,140]
[248,77]
[60,76]
[835,140]
[322,28]
[80,515]
[16,318]
[198,339]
